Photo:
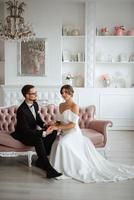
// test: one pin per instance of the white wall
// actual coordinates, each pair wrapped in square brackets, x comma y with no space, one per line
[115,13]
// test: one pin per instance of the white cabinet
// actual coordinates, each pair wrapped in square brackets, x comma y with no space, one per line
[114,61]
[73,45]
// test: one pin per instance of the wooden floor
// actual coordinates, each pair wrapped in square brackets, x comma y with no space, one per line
[18,182]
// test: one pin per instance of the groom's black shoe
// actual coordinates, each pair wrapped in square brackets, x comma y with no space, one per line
[53,173]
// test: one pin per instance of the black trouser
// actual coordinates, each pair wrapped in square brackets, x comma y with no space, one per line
[42,146]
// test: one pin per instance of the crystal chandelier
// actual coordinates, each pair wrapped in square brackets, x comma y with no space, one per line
[15,27]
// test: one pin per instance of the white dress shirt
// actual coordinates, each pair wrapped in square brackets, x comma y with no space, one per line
[31,107]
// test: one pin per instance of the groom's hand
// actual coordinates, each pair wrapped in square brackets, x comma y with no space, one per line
[49,130]
[50,123]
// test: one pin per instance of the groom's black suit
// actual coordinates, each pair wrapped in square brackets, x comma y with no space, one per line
[26,131]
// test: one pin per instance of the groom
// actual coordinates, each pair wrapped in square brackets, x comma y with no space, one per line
[26,131]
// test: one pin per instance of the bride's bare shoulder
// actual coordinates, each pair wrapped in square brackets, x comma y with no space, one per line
[75,108]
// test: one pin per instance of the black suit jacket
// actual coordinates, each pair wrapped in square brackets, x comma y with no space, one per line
[26,123]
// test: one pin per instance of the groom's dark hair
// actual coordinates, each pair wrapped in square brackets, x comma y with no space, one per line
[68,88]
[26,88]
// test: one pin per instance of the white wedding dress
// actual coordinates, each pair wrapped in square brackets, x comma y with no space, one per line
[75,156]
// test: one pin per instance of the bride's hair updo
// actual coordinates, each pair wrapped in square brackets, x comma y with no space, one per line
[68,89]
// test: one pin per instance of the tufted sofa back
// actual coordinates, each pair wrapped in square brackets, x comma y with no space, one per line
[86,115]
[8,118]
[48,113]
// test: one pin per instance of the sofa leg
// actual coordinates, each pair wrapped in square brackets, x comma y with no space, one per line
[30,154]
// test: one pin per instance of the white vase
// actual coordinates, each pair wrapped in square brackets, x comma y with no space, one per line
[106,82]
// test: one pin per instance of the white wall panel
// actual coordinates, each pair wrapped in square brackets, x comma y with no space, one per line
[117,106]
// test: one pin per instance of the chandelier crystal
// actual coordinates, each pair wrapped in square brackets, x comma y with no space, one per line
[15,27]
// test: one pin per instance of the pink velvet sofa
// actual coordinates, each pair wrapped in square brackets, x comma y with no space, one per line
[96,130]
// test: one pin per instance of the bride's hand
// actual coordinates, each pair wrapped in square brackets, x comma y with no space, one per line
[50,123]
[54,127]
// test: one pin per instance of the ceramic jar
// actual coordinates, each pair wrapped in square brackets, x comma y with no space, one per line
[131,32]
[75,32]
[106,82]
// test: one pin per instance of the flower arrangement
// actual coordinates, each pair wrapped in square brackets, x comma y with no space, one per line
[104,31]
[69,76]
[33,55]
[37,50]
[69,79]
[105,80]
[119,30]
[104,77]
[38,45]
[119,27]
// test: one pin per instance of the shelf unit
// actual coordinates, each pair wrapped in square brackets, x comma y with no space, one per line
[73,62]
[73,59]
[73,36]
[114,58]
[115,36]
[114,54]
[113,63]
[73,44]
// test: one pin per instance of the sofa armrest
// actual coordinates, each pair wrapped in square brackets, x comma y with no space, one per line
[101,126]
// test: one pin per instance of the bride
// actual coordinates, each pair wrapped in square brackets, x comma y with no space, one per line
[74,155]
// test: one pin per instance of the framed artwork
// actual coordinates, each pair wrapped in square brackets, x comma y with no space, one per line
[32,57]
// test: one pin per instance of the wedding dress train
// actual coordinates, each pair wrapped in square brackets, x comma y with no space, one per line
[75,156]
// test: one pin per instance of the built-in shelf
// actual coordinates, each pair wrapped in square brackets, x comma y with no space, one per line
[73,45]
[72,36]
[73,62]
[114,62]
[115,36]
[115,51]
